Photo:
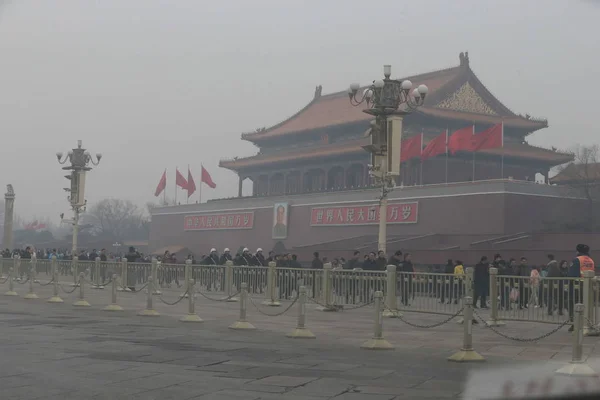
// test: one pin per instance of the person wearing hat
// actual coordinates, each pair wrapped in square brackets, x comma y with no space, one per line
[581,263]
[226,256]
[212,258]
[259,258]
[245,258]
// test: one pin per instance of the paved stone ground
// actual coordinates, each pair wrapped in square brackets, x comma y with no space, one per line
[57,351]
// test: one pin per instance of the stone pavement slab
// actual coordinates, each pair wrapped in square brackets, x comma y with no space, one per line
[54,351]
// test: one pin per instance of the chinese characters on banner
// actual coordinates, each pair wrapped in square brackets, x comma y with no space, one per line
[204,222]
[397,213]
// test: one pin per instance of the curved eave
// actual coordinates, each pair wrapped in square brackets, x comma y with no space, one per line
[511,122]
[334,149]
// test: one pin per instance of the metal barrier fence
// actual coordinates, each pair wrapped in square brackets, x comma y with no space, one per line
[546,300]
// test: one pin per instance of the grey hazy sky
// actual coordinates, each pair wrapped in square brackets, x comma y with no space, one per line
[156,84]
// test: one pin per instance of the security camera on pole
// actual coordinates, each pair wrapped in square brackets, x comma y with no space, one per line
[80,160]
[388,100]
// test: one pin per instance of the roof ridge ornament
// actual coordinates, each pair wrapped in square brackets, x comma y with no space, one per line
[464,59]
[318,91]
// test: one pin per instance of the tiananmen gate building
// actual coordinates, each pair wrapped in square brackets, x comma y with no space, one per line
[312,190]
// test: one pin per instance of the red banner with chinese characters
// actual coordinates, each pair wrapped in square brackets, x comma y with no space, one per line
[207,222]
[397,213]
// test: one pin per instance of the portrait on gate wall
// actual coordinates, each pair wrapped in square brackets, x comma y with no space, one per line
[280,220]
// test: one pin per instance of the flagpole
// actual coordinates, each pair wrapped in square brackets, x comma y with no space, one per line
[165,190]
[473,156]
[175,185]
[502,167]
[187,198]
[200,185]
[421,158]
[446,155]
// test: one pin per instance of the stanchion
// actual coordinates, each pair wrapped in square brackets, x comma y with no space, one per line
[34,268]
[467,353]
[31,295]
[154,272]
[378,342]
[391,300]
[467,290]
[229,281]
[82,302]
[149,311]
[113,306]
[271,286]
[191,315]
[242,324]
[75,270]
[301,331]
[589,309]
[98,284]
[11,284]
[55,297]
[577,366]
[494,321]
[187,273]
[327,289]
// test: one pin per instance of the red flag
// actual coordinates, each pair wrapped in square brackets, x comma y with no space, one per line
[191,185]
[461,140]
[411,147]
[162,184]
[207,179]
[491,138]
[436,147]
[180,180]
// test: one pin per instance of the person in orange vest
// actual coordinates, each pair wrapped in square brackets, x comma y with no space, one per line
[582,262]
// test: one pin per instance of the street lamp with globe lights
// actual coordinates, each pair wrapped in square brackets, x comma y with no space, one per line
[79,163]
[388,100]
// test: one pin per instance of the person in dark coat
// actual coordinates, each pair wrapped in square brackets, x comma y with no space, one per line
[131,257]
[355,261]
[226,256]
[481,282]
[316,262]
[407,284]
[212,258]
[381,260]
[259,259]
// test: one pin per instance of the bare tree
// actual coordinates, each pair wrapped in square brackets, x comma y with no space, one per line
[119,219]
[582,176]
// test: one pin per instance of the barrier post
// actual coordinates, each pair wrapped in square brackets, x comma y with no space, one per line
[124,284]
[81,302]
[11,284]
[467,353]
[229,281]
[149,311]
[327,289]
[191,315]
[271,286]
[187,275]
[98,284]
[391,299]
[55,297]
[31,294]
[75,269]
[467,289]
[154,272]
[577,366]
[494,321]
[34,268]
[378,342]
[589,304]
[113,306]
[301,331]
[242,323]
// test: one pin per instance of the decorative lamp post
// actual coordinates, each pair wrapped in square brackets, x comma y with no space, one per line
[80,161]
[388,100]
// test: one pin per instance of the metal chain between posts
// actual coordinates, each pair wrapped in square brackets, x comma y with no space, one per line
[212,299]
[44,284]
[522,340]
[137,291]
[93,284]
[591,325]
[5,279]
[357,307]
[176,302]
[24,282]
[434,325]
[69,292]
[274,315]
